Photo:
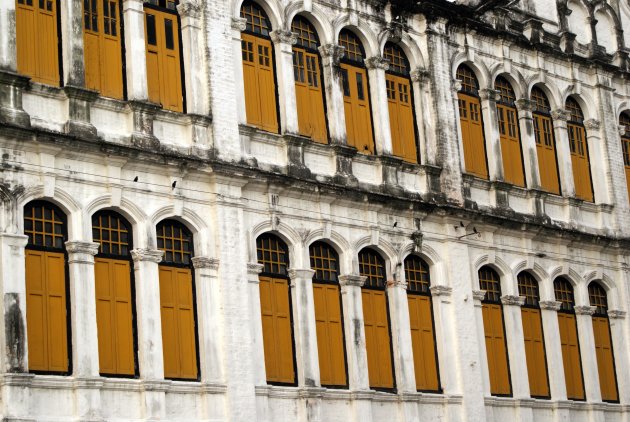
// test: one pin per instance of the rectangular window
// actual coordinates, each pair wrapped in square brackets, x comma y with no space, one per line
[151,33]
[360,93]
[168,32]
[345,83]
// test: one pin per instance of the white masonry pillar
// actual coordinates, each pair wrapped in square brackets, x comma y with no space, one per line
[135,57]
[619,337]
[528,143]
[331,54]
[445,337]
[427,144]
[238,26]
[563,152]
[516,345]
[283,42]
[478,296]
[149,323]
[491,134]
[596,154]
[583,316]
[71,12]
[8,51]
[377,66]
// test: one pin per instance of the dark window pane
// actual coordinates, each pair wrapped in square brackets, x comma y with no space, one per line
[168,31]
[360,93]
[151,36]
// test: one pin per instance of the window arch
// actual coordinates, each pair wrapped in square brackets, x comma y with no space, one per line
[603,343]
[533,335]
[102,47]
[37,40]
[259,75]
[545,142]
[507,115]
[47,313]
[579,151]
[569,339]
[163,51]
[376,319]
[421,324]
[275,307]
[309,90]
[400,100]
[494,331]
[356,93]
[624,120]
[177,301]
[471,123]
[328,315]
[115,296]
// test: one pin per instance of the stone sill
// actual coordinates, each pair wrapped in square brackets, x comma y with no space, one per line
[555,404]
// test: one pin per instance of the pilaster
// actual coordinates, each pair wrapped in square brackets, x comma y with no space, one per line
[8,51]
[491,134]
[528,143]
[11,87]
[477,297]
[343,165]
[563,152]
[194,59]
[516,348]
[553,348]
[143,115]
[618,332]
[377,66]
[79,103]
[424,113]
[597,154]
[401,336]
[135,57]
[238,25]
[584,318]
[283,42]
[331,55]
[352,303]
[71,37]
[253,271]
[445,337]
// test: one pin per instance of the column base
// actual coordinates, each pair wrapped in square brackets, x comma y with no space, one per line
[343,162]
[295,157]
[11,87]
[389,168]
[143,115]
[79,103]
[200,124]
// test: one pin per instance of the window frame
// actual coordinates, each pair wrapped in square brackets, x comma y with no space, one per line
[507,101]
[546,114]
[580,124]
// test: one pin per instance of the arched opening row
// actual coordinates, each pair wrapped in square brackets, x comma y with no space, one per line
[534,336]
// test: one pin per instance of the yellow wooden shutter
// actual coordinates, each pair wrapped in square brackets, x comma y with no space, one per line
[163,59]
[114,317]
[625,146]
[423,342]
[535,352]
[178,323]
[276,322]
[37,40]
[496,350]
[357,108]
[46,316]
[605,359]
[401,117]
[510,145]
[580,163]
[377,340]
[546,151]
[309,95]
[571,356]
[472,135]
[329,325]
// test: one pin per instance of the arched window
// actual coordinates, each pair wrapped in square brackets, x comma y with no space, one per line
[579,151]
[328,315]
[376,320]
[533,336]
[569,339]
[507,116]
[356,94]
[275,307]
[603,343]
[421,323]
[471,123]
[163,50]
[624,120]
[258,69]
[494,331]
[102,47]
[46,286]
[177,301]
[114,294]
[309,90]
[37,40]
[545,142]
[400,102]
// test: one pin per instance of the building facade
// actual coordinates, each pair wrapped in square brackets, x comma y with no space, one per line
[314,210]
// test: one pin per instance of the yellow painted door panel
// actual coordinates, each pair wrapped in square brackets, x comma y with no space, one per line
[510,145]
[377,340]
[401,117]
[114,317]
[571,356]
[178,323]
[605,359]
[546,151]
[580,163]
[309,95]
[329,326]
[472,135]
[423,342]
[357,108]
[276,322]
[46,316]
[37,40]
[535,352]
[259,83]
[496,349]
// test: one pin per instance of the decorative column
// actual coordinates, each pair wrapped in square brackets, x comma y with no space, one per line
[238,26]
[619,336]
[420,79]
[195,67]
[283,42]
[85,360]
[597,155]
[445,337]
[253,270]
[135,57]
[516,346]
[553,349]
[79,103]
[528,143]
[356,352]
[331,54]
[583,316]
[149,325]
[491,133]
[377,66]
[478,296]
[305,327]
[563,152]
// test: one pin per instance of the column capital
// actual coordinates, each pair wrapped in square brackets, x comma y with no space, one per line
[254,268]
[352,280]
[420,74]
[146,254]
[239,24]
[479,295]
[622,130]
[523,104]
[513,300]
[438,290]
[296,273]
[14,240]
[616,314]
[391,284]
[592,124]
[584,310]
[283,37]
[550,305]
[189,9]
[456,86]
[560,114]
[205,262]
[333,52]
[491,95]
[377,62]
[81,247]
